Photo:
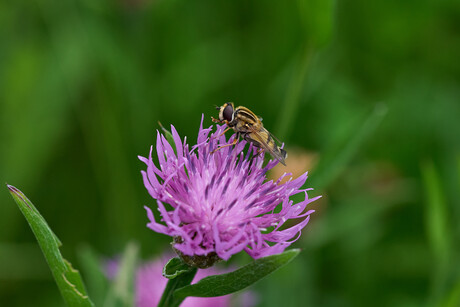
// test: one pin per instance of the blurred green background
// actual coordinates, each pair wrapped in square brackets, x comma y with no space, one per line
[367,91]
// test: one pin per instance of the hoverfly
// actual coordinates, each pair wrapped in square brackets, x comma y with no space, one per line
[249,126]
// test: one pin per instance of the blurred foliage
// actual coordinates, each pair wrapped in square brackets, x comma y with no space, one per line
[84,83]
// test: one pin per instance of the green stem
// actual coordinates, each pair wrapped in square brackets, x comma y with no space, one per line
[185,279]
[291,102]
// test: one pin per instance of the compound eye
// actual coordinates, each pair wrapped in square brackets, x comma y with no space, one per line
[228,113]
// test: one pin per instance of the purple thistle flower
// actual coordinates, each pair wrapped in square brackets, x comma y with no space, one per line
[219,203]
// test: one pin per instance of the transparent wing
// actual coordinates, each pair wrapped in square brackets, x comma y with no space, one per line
[275,138]
[265,140]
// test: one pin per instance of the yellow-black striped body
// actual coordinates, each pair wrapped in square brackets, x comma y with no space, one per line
[249,126]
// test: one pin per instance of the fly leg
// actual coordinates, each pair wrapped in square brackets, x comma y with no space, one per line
[216,137]
[259,152]
[228,128]
[226,145]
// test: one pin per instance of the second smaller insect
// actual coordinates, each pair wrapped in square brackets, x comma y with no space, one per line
[249,126]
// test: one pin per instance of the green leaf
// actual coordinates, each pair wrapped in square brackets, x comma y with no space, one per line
[175,267]
[218,285]
[122,290]
[67,278]
[168,299]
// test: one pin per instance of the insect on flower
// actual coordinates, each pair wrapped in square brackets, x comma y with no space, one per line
[216,205]
[249,126]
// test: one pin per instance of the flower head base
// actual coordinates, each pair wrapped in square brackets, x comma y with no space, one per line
[218,203]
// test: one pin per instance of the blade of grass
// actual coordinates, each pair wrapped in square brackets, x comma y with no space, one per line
[122,291]
[317,18]
[436,215]
[437,229]
[453,299]
[318,32]
[291,101]
[67,278]
[96,279]
[169,137]
[334,162]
